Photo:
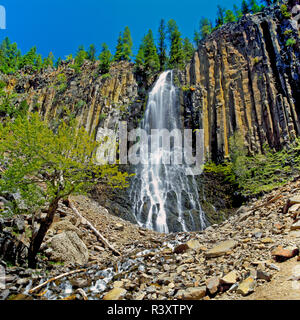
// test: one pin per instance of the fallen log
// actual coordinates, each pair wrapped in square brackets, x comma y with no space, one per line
[98,234]
[56,278]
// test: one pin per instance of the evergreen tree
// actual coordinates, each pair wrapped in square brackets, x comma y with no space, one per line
[176,51]
[10,56]
[124,46]
[29,58]
[197,38]
[49,61]
[105,58]
[254,7]
[238,13]
[245,8]
[147,59]
[229,16]
[162,47]
[127,45]
[81,55]
[205,28]
[91,54]
[188,50]
[58,62]
[220,16]
[39,62]
[119,49]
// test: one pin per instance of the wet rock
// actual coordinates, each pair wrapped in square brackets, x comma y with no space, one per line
[69,248]
[4,294]
[80,283]
[115,294]
[221,249]
[247,286]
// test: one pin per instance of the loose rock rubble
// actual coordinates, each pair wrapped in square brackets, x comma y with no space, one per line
[227,261]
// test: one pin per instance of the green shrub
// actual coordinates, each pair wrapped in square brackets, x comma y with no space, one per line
[287,32]
[284,11]
[290,42]
[253,175]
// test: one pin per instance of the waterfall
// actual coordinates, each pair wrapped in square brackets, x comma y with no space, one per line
[164,198]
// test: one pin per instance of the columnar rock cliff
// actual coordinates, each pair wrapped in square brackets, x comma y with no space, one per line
[245,77]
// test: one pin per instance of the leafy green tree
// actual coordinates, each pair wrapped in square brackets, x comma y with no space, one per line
[229,16]
[176,52]
[45,167]
[162,46]
[105,58]
[188,50]
[91,53]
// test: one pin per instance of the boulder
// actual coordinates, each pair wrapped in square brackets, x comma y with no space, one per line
[229,279]
[247,286]
[221,249]
[69,248]
[115,294]
[65,225]
[280,254]
[212,285]
[196,293]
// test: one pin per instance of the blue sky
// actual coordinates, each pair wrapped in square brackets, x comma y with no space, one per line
[61,26]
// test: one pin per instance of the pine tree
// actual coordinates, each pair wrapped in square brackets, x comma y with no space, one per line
[254,7]
[91,53]
[119,49]
[205,28]
[49,61]
[188,50]
[105,58]
[176,51]
[245,8]
[147,59]
[81,55]
[29,58]
[220,16]
[238,13]
[58,62]
[229,16]
[162,47]
[39,62]
[127,45]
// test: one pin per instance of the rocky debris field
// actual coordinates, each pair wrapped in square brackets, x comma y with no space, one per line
[253,255]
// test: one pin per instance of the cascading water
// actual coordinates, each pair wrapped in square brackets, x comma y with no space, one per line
[164,198]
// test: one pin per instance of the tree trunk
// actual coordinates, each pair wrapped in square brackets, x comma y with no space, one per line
[37,239]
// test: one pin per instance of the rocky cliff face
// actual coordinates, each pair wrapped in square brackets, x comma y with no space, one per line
[245,77]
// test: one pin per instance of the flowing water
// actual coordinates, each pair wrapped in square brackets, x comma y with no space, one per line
[164,198]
